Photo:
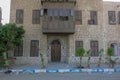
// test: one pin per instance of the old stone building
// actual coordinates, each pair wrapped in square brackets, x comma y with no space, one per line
[0,14]
[59,27]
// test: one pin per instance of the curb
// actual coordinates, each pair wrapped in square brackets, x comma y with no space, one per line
[64,70]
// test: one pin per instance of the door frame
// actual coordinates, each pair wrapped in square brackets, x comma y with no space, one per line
[55,44]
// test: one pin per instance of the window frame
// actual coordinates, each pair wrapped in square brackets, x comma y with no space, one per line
[34,46]
[36,17]
[19,16]
[93,18]
[78,17]
[111,17]
[119,17]
[18,51]
[93,46]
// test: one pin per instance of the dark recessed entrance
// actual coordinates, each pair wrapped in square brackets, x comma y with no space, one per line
[55,51]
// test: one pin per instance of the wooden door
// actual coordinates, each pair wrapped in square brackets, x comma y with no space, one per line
[55,51]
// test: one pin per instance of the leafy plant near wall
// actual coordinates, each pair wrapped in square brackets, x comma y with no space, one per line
[110,51]
[110,61]
[80,53]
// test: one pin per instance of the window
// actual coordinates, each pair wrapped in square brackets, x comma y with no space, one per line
[45,11]
[93,18]
[50,12]
[19,16]
[64,15]
[119,17]
[36,17]
[94,48]
[78,17]
[61,12]
[67,12]
[41,12]
[78,44]
[111,17]
[55,12]
[18,51]
[72,12]
[34,48]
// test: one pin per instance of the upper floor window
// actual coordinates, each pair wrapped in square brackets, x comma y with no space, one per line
[41,12]
[78,17]
[111,17]
[19,16]
[36,17]
[61,12]
[50,12]
[93,18]
[55,12]
[119,17]
[72,12]
[64,15]
[45,11]
[67,12]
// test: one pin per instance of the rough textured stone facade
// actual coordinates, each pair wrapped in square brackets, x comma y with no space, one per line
[102,32]
[111,32]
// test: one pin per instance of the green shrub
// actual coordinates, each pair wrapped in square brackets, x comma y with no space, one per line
[80,51]
[110,61]
[110,51]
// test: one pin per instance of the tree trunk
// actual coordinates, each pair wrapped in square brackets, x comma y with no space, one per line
[80,61]
[112,65]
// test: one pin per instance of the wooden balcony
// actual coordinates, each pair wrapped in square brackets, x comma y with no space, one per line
[58,26]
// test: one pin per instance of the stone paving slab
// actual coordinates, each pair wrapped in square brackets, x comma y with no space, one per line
[58,66]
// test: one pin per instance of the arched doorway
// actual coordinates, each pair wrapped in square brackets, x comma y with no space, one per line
[55,51]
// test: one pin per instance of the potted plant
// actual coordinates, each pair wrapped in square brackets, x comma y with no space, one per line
[110,53]
[80,53]
[100,57]
[89,53]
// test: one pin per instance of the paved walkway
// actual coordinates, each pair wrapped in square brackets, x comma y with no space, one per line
[58,66]
[48,66]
